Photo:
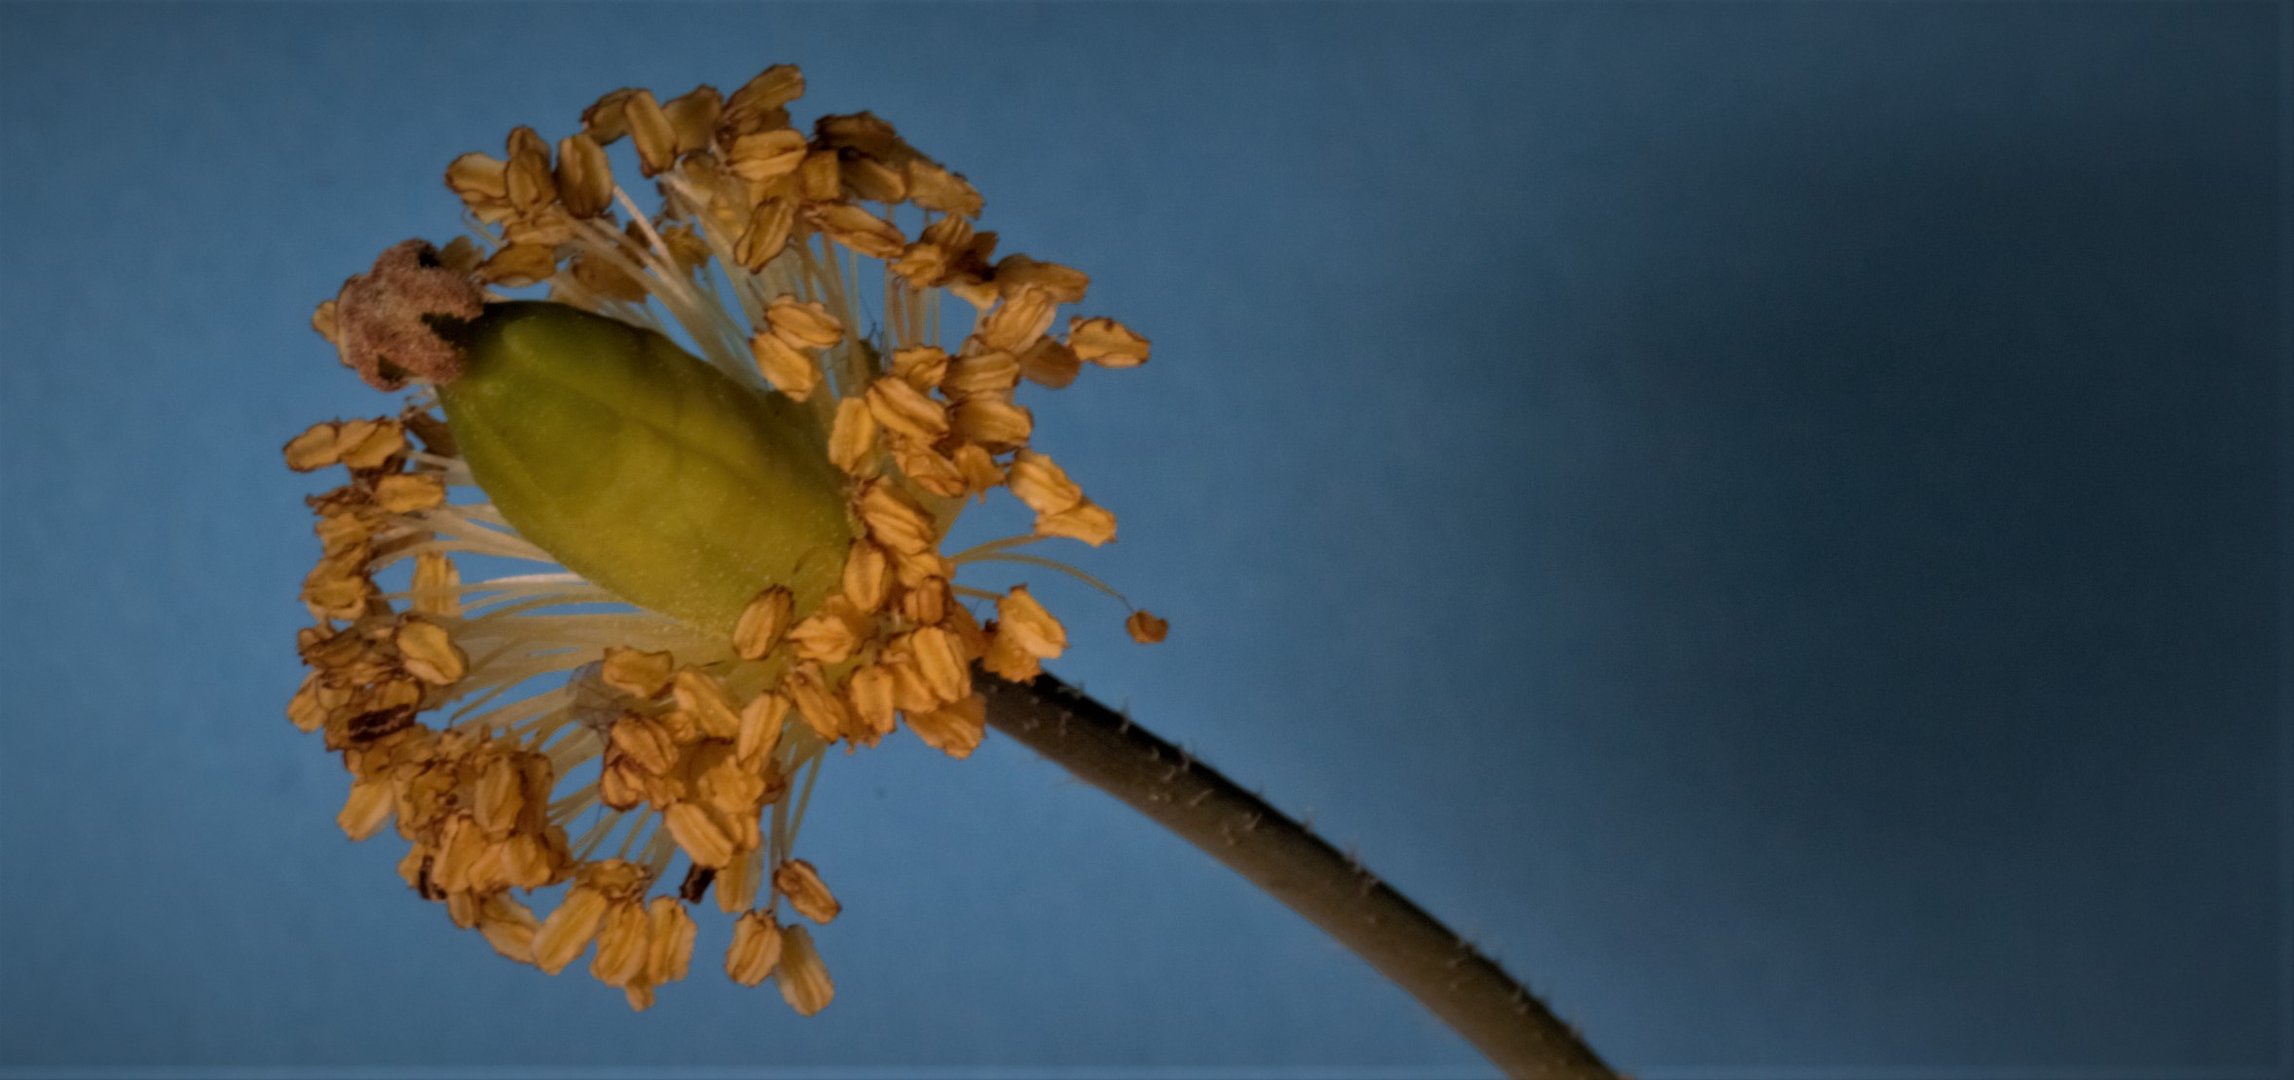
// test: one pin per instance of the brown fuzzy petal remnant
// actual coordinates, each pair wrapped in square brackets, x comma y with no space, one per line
[387,317]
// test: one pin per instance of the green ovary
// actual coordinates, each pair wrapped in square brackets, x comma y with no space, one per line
[644,469]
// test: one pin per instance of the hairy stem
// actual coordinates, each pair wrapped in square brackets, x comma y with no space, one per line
[1467,990]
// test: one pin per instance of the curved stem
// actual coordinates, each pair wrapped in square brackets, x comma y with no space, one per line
[1467,990]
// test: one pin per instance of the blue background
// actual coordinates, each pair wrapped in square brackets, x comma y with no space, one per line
[1765,515]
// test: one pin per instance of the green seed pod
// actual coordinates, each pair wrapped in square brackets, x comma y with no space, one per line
[644,469]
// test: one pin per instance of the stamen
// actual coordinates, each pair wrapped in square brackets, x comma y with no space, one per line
[595,835]
[1060,567]
[514,715]
[637,826]
[578,744]
[704,320]
[571,806]
[659,849]
[682,203]
[979,551]
[804,800]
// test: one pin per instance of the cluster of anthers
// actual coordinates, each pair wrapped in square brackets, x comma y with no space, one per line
[557,705]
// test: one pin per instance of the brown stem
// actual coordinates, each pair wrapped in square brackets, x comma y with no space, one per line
[1467,990]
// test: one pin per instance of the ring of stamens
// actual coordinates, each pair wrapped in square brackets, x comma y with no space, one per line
[704,745]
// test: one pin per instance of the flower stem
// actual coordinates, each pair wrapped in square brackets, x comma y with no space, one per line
[1467,990]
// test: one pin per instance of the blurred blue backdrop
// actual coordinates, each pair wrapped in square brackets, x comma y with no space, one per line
[1765,515]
